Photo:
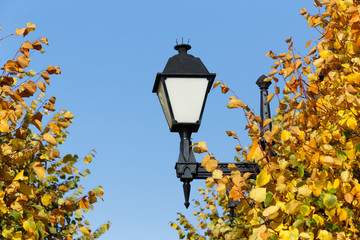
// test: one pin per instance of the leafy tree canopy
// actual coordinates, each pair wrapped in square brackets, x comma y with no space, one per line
[315,131]
[40,192]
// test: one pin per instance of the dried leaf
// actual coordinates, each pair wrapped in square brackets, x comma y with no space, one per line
[19,31]
[234,103]
[39,170]
[44,40]
[50,139]
[41,86]
[200,147]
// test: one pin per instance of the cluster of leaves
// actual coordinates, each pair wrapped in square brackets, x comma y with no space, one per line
[40,192]
[308,186]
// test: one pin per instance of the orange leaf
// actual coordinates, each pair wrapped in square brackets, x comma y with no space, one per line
[308,43]
[23,63]
[201,147]
[42,86]
[11,66]
[27,45]
[19,31]
[235,193]
[51,69]
[44,40]
[37,45]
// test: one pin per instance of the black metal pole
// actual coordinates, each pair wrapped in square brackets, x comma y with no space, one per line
[186,165]
[264,105]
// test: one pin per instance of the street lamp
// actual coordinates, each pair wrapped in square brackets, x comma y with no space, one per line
[182,89]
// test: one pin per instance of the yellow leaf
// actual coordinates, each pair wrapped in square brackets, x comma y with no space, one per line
[342,213]
[200,147]
[3,207]
[29,225]
[267,122]
[255,152]
[262,178]
[232,166]
[234,103]
[85,231]
[4,125]
[273,72]
[17,236]
[329,161]
[221,188]
[44,40]
[269,97]
[30,27]
[270,211]
[235,193]
[20,176]
[68,115]
[324,235]
[318,62]
[258,194]
[211,165]
[345,176]
[46,199]
[301,104]
[217,174]
[19,31]
[88,159]
[210,182]
[50,139]
[351,123]
[39,170]
[285,135]
[305,191]
[205,160]
[216,84]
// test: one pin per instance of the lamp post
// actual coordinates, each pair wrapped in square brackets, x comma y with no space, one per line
[182,89]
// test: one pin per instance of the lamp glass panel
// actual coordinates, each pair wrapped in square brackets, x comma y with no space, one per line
[187,97]
[164,103]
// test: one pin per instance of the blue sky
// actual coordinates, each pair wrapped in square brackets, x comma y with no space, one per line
[110,52]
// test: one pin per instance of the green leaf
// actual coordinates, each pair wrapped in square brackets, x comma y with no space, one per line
[269,197]
[304,209]
[330,200]
[301,170]
[332,227]
[341,154]
[14,215]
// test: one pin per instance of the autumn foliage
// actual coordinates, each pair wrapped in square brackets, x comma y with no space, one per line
[40,192]
[308,186]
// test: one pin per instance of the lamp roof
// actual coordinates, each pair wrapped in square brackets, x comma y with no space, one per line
[184,62]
